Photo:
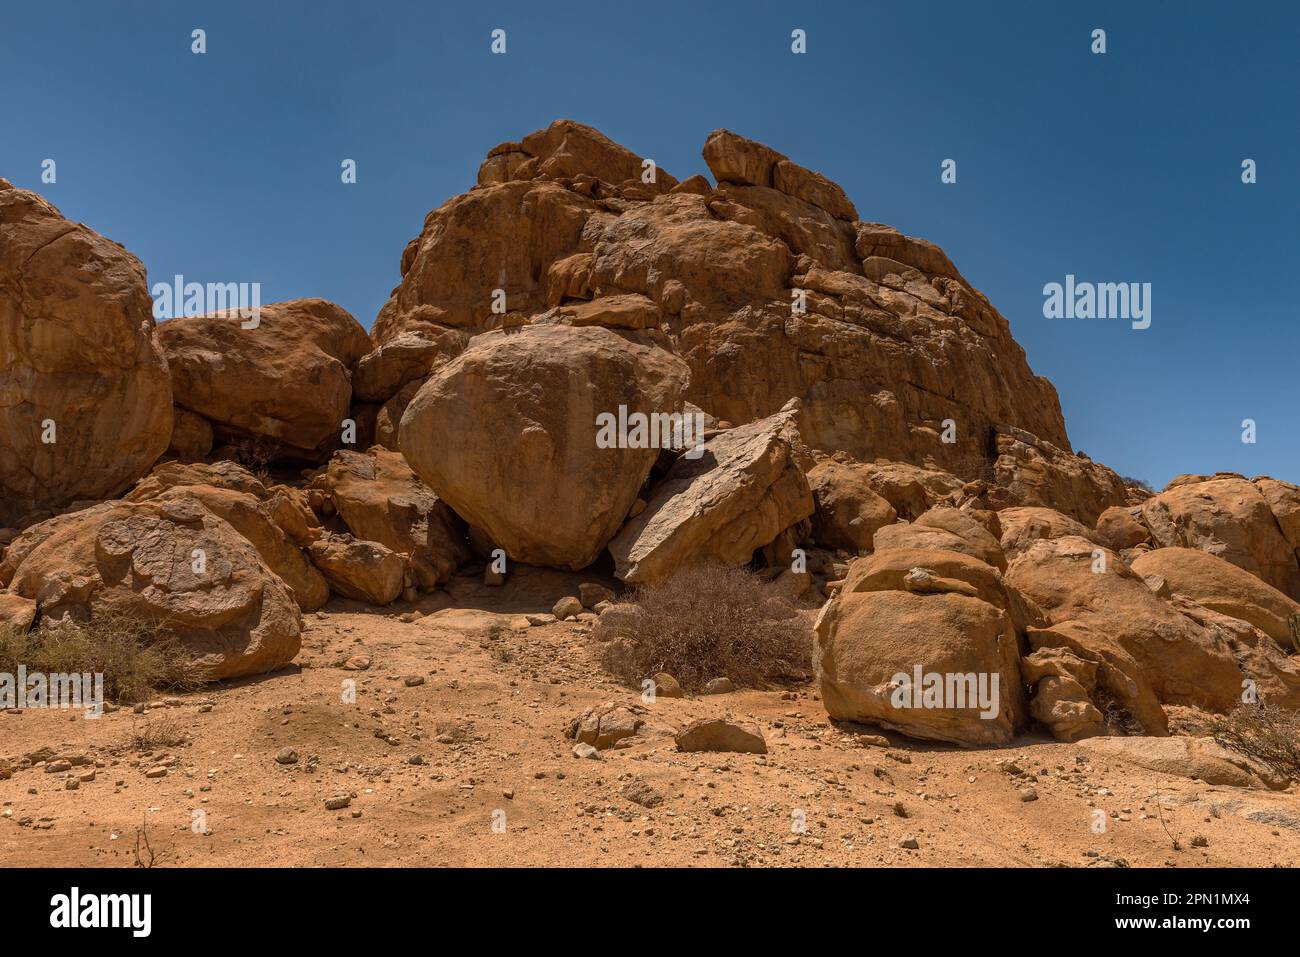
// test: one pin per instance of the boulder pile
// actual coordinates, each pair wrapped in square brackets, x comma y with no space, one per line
[588,362]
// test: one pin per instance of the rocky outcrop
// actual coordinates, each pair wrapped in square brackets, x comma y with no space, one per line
[283,385]
[1103,611]
[1222,587]
[1230,517]
[377,496]
[742,491]
[1030,471]
[170,563]
[85,400]
[767,286]
[507,434]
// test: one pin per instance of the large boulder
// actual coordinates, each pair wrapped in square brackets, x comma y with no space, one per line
[941,666]
[1222,587]
[848,511]
[380,499]
[85,399]
[1229,517]
[284,385]
[506,434]
[744,490]
[254,520]
[170,562]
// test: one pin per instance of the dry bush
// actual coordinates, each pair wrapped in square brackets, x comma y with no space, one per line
[1262,732]
[157,732]
[136,657]
[706,622]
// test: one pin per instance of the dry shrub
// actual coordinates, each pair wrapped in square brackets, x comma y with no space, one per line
[1262,732]
[706,622]
[157,732]
[136,657]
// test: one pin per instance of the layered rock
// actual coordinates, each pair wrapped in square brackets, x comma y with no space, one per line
[507,434]
[283,385]
[744,489]
[85,400]
[173,563]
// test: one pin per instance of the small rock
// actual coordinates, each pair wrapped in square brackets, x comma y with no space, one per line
[592,594]
[337,803]
[1028,794]
[286,756]
[357,663]
[586,751]
[567,607]
[666,686]
[413,681]
[909,842]
[719,686]
[638,792]
[718,734]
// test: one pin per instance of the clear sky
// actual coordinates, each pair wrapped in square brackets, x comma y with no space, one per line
[1122,167]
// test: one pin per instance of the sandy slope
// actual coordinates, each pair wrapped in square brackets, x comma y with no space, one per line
[487,725]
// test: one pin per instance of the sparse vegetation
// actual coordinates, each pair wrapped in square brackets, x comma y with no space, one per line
[706,622]
[156,732]
[137,658]
[1262,732]
[1143,484]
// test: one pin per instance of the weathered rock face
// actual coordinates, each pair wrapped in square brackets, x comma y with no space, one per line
[767,286]
[285,384]
[960,644]
[1179,659]
[1024,525]
[1229,517]
[253,519]
[507,433]
[381,500]
[85,400]
[360,570]
[1031,471]
[848,510]
[170,561]
[1222,587]
[738,496]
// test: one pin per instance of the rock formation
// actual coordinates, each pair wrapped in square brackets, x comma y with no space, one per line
[85,400]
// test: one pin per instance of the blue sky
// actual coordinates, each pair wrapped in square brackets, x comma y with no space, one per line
[1121,167]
